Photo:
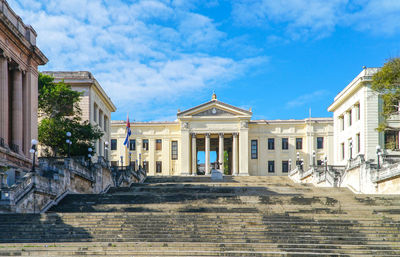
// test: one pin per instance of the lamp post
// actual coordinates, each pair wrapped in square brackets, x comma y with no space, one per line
[106,150]
[378,153]
[297,159]
[122,161]
[313,156]
[290,164]
[90,150]
[69,142]
[326,163]
[130,158]
[301,163]
[140,161]
[33,151]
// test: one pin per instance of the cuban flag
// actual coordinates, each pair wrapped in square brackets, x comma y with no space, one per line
[128,132]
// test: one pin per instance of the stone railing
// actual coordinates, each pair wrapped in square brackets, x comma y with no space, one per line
[55,178]
[355,162]
[385,172]
[126,175]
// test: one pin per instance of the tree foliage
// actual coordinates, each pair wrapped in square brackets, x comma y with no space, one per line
[387,83]
[60,113]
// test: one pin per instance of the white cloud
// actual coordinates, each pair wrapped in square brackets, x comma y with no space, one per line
[306,98]
[301,19]
[146,54]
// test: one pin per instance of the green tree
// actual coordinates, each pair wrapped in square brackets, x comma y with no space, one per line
[387,83]
[60,113]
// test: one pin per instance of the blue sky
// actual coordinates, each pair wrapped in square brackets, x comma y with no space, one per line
[278,57]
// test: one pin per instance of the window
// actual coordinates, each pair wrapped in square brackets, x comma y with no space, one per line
[158,167]
[319,162]
[145,144]
[146,166]
[113,144]
[285,166]
[114,163]
[174,150]
[100,118]
[285,143]
[391,139]
[341,121]
[299,143]
[105,123]
[350,117]
[350,144]
[132,144]
[320,143]
[358,113]
[95,112]
[133,164]
[342,151]
[254,149]
[158,144]
[271,166]
[358,138]
[271,143]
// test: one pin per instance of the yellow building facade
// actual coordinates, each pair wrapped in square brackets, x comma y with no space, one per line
[216,135]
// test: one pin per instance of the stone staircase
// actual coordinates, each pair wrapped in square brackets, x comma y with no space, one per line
[193,216]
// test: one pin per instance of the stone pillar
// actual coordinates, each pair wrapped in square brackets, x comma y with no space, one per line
[194,154]
[244,149]
[207,153]
[235,154]
[4,99]
[26,94]
[221,152]
[17,119]
[31,78]
[152,156]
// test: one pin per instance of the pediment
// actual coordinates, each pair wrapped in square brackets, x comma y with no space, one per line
[215,108]
[214,112]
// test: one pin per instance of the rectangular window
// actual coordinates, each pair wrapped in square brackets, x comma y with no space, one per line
[358,112]
[299,143]
[133,164]
[391,139]
[158,167]
[145,144]
[358,143]
[158,144]
[285,166]
[95,112]
[271,166]
[100,118]
[285,143]
[319,162]
[174,150]
[341,121]
[320,143]
[105,123]
[254,150]
[342,151]
[114,163]
[350,118]
[146,166]
[132,144]
[113,144]
[271,143]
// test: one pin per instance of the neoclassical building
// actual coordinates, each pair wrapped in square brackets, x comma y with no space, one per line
[96,105]
[19,61]
[240,145]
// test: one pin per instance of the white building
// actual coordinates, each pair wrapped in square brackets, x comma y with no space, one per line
[250,147]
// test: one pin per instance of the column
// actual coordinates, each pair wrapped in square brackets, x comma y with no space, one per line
[152,156]
[17,119]
[4,99]
[221,151]
[207,153]
[235,154]
[32,119]
[26,94]
[194,154]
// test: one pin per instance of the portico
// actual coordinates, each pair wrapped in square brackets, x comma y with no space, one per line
[219,127]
